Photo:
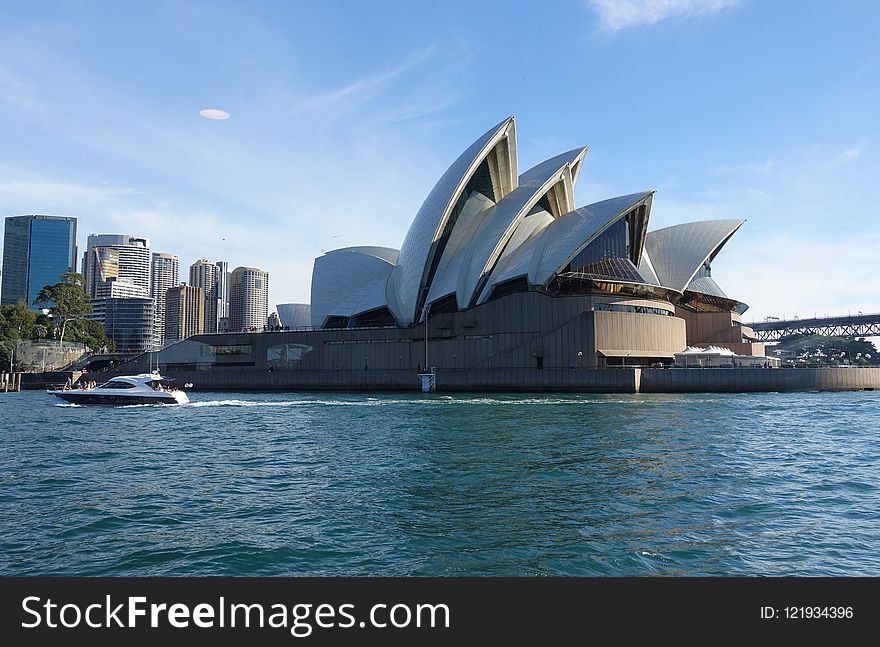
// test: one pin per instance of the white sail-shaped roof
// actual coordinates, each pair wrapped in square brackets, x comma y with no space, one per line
[424,240]
[294,315]
[446,278]
[678,252]
[514,262]
[501,221]
[348,281]
[566,237]
[479,240]
[706,285]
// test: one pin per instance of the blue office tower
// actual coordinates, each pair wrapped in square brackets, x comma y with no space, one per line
[37,250]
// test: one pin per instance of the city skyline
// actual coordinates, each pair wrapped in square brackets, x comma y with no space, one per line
[87,266]
[324,151]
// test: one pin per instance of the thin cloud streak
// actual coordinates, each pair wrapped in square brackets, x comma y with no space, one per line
[615,15]
[362,88]
[53,197]
[17,90]
[750,168]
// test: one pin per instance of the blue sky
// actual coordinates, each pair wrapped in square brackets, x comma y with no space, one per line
[344,114]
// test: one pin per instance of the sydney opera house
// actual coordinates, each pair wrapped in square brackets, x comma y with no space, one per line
[501,281]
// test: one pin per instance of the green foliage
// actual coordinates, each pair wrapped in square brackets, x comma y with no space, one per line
[16,323]
[90,333]
[40,331]
[828,351]
[18,317]
[67,301]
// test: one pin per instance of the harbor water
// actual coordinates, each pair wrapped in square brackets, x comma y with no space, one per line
[443,484]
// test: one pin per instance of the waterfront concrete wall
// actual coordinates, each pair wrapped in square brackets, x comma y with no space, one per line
[611,380]
[583,380]
[739,380]
[49,379]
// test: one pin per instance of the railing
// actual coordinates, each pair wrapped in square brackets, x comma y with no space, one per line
[300,329]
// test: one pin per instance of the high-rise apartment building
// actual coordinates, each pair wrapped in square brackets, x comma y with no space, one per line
[128,322]
[37,250]
[203,274]
[184,312]
[115,288]
[164,271]
[116,256]
[223,277]
[248,299]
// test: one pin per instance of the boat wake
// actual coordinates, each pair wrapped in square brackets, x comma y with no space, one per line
[446,400]
[252,403]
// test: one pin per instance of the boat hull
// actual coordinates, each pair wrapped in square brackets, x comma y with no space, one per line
[86,398]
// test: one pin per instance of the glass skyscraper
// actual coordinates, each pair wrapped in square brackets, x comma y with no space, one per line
[37,250]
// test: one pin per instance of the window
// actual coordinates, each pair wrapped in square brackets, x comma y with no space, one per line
[621,307]
[287,355]
[231,349]
[117,385]
[610,244]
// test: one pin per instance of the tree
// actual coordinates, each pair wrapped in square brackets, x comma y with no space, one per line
[20,318]
[40,332]
[91,333]
[823,350]
[67,301]
[16,323]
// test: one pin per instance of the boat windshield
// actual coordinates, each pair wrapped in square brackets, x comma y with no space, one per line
[112,384]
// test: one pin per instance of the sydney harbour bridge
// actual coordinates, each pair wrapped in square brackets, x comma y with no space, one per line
[852,326]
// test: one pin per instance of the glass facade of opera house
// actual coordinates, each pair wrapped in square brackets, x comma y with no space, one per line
[500,273]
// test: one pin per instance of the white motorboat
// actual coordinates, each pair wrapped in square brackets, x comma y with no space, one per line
[145,388]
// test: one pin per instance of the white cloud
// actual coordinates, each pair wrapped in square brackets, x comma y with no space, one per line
[50,197]
[850,154]
[615,15]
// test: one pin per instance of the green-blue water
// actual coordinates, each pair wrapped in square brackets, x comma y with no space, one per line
[330,484]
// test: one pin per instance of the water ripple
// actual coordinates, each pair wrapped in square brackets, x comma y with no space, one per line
[398,484]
